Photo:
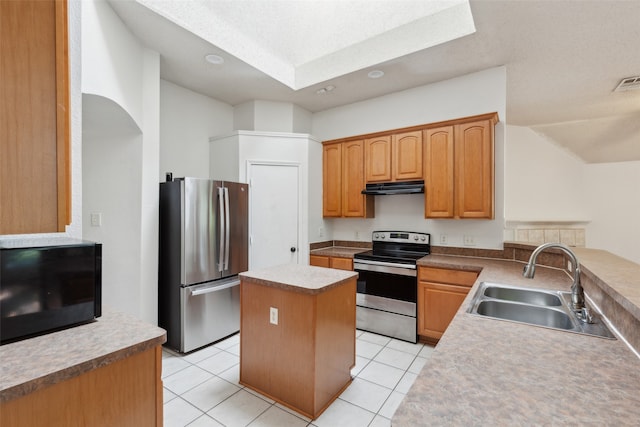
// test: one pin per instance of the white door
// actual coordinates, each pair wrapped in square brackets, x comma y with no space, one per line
[273,218]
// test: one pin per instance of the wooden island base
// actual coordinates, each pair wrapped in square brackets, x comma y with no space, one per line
[304,361]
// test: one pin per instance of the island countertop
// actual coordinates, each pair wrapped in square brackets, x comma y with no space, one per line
[492,372]
[299,278]
[35,363]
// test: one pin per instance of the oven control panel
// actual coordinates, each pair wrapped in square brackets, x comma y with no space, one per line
[401,237]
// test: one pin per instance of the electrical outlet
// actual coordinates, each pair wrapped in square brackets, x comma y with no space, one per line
[273,315]
[443,239]
[96,219]
[357,235]
[320,231]
[469,240]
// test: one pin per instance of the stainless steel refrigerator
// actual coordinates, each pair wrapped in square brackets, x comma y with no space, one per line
[203,246]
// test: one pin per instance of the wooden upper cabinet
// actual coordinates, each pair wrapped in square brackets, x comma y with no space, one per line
[343,181]
[407,156]
[332,180]
[455,158]
[396,157]
[353,201]
[474,169]
[377,156]
[34,117]
[438,173]
[459,170]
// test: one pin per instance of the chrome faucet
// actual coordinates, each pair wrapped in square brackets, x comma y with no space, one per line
[577,293]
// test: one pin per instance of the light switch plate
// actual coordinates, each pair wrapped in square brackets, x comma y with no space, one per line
[273,315]
[96,219]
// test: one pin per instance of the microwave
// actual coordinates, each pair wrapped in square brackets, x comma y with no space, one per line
[47,284]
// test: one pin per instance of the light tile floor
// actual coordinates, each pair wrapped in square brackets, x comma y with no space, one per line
[201,389]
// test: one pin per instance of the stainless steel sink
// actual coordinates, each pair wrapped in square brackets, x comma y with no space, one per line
[538,307]
[529,296]
[541,316]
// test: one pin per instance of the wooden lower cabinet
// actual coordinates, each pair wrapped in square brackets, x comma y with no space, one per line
[319,261]
[304,361]
[124,393]
[339,263]
[440,294]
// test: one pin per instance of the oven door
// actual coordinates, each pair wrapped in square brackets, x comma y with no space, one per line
[387,280]
[386,299]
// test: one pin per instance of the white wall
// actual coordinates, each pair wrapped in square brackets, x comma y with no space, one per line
[543,182]
[477,93]
[613,197]
[231,153]
[187,121]
[150,198]
[271,116]
[118,70]
[75,74]
[548,186]
[111,58]
[112,157]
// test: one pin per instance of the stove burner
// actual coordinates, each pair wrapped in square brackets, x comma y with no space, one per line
[397,246]
[402,258]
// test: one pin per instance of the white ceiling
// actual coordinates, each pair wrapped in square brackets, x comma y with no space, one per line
[563,57]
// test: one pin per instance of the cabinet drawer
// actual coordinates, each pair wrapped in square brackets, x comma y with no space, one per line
[342,263]
[444,275]
[319,260]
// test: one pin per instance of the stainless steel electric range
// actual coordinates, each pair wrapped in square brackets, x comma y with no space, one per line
[387,284]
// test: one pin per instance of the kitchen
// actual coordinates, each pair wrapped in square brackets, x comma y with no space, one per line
[129,102]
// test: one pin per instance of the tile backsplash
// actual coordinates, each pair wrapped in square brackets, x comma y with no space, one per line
[549,233]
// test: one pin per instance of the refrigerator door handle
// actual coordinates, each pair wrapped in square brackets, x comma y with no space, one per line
[227,229]
[210,289]
[222,227]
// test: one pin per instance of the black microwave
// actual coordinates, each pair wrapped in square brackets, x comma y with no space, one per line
[48,284]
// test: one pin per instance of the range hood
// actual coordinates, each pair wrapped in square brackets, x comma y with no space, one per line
[405,187]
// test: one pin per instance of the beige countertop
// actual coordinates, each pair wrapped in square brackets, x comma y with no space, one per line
[338,251]
[491,372]
[29,365]
[299,278]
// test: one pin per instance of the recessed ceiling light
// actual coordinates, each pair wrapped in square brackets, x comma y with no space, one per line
[214,59]
[375,74]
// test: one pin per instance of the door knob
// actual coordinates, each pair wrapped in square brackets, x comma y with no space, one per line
[293,248]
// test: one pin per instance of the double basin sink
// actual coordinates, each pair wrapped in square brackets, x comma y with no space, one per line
[539,307]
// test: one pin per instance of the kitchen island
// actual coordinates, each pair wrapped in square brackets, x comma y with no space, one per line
[103,373]
[492,372]
[297,332]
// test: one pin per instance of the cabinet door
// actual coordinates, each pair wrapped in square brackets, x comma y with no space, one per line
[332,180]
[377,157]
[407,156]
[446,275]
[439,172]
[341,263]
[474,170]
[437,305]
[34,117]
[319,260]
[353,201]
